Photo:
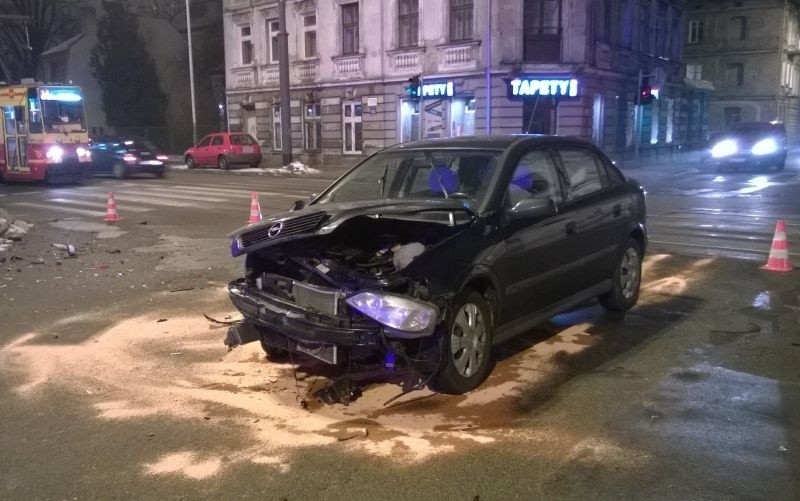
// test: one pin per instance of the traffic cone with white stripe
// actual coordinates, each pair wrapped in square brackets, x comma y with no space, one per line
[111,211]
[779,253]
[255,209]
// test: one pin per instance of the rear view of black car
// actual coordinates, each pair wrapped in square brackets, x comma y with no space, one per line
[121,157]
[426,254]
[749,145]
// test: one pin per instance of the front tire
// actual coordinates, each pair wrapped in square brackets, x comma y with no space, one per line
[466,345]
[627,278]
[190,164]
[222,162]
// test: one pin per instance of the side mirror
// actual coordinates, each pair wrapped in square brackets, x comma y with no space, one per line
[529,208]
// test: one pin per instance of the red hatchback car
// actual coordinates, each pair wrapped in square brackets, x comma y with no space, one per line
[224,149]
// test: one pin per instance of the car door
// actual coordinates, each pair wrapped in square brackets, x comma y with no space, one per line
[201,154]
[216,148]
[603,210]
[533,261]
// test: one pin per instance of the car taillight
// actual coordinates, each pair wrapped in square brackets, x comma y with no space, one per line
[129,158]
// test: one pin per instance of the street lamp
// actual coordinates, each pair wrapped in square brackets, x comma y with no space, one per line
[191,71]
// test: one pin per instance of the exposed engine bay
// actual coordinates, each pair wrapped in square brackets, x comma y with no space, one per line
[312,280]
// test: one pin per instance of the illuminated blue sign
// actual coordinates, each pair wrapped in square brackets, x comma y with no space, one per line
[530,87]
[70,94]
[438,89]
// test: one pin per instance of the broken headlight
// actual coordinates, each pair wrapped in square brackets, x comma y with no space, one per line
[406,317]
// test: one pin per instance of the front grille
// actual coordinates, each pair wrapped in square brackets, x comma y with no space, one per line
[291,226]
[321,299]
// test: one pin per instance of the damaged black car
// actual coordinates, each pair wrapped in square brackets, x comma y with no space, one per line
[427,254]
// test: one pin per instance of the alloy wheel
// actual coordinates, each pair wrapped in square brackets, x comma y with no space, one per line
[630,271]
[468,340]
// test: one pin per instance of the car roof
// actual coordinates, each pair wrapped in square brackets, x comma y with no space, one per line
[489,142]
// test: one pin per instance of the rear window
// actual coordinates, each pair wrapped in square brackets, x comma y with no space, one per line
[242,139]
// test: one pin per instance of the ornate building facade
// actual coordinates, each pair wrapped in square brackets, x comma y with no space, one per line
[569,67]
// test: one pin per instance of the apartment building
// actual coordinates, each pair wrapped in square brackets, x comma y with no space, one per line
[749,50]
[569,67]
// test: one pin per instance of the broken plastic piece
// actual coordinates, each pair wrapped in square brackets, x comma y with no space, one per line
[405,254]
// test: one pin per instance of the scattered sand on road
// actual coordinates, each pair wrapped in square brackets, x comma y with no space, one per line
[179,368]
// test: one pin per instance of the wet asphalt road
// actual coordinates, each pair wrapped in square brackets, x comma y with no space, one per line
[114,385]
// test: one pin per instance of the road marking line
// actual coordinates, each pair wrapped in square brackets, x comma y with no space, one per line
[248,193]
[83,212]
[140,199]
[96,204]
[170,195]
[733,249]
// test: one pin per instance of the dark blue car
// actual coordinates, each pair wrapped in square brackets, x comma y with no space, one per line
[121,157]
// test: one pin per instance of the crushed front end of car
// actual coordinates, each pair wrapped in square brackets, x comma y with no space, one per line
[339,285]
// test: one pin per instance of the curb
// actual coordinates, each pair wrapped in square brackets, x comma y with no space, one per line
[5,221]
[323,175]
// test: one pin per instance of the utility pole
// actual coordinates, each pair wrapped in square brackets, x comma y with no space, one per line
[286,111]
[488,67]
[191,72]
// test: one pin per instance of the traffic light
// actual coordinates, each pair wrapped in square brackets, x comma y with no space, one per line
[646,93]
[413,87]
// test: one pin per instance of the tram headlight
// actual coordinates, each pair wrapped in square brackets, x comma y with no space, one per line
[83,152]
[55,153]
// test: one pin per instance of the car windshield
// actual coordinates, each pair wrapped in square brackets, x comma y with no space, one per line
[421,174]
[755,129]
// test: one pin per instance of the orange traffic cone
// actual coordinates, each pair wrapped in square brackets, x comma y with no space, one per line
[255,209]
[779,253]
[111,211]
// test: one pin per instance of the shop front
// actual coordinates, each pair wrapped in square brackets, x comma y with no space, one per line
[436,109]
[541,96]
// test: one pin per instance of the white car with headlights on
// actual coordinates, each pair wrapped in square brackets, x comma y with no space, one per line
[751,145]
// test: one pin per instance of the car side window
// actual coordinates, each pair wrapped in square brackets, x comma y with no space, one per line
[584,170]
[216,141]
[204,142]
[535,176]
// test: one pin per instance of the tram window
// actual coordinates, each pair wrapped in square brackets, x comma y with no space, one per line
[19,112]
[35,119]
[10,120]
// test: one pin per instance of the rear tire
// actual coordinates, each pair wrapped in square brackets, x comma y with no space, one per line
[627,278]
[466,345]
[190,162]
[222,162]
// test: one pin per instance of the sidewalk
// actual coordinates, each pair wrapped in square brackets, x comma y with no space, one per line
[176,162]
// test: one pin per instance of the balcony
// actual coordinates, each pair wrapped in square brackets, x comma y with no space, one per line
[305,71]
[348,67]
[542,45]
[268,75]
[459,56]
[405,61]
[243,77]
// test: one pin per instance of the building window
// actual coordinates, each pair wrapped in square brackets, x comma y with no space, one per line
[312,127]
[460,20]
[352,128]
[695,31]
[733,116]
[676,35]
[276,126]
[644,26]
[246,42]
[734,75]
[627,20]
[738,28]
[694,71]
[408,22]
[310,36]
[661,29]
[542,31]
[273,47]
[350,28]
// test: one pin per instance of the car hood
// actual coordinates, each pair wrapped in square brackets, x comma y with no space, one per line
[324,218]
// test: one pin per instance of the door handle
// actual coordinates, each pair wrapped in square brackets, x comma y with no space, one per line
[570,227]
[617,210]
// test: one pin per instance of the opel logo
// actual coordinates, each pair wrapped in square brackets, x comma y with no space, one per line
[275,230]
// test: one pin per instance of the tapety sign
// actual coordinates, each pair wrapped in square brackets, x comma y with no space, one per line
[445,89]
[532,87]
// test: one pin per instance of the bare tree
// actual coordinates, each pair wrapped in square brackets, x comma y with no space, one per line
[31,27]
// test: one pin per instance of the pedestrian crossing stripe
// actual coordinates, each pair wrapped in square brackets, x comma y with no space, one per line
[99,205]
[60,208]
